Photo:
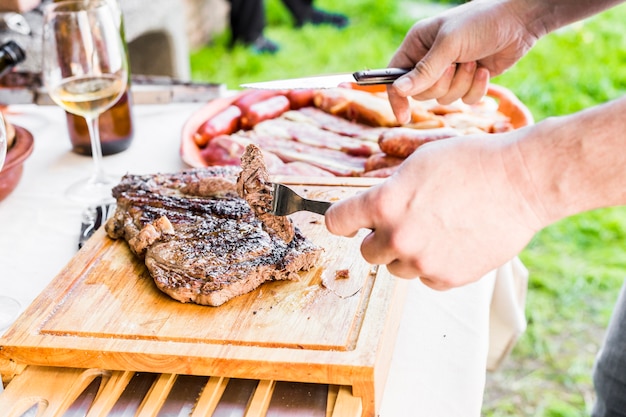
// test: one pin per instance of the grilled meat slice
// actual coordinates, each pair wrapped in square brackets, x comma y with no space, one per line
[253,185]
[201,242]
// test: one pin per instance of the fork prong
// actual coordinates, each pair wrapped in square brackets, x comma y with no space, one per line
[286,201]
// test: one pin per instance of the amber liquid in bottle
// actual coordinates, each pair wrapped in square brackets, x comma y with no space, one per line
[115,124]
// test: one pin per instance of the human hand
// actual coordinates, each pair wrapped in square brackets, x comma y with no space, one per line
[449,215]
[454,54]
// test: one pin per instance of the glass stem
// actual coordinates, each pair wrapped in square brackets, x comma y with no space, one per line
[98,175]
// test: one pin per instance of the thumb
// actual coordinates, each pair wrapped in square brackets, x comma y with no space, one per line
[346,217]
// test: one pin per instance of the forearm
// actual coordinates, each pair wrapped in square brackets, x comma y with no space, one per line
[574,163]
[544,16]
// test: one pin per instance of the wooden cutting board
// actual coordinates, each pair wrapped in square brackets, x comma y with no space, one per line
[104,311]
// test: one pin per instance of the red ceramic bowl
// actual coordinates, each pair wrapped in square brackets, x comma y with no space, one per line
[14,164]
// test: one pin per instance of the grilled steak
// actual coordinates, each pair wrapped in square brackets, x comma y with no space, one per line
[253,185]
[200,241]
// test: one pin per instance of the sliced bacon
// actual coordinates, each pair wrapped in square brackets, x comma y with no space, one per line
[301,169]
[312,135]
[225,150]
[228,149]
[334,161]
[334,123]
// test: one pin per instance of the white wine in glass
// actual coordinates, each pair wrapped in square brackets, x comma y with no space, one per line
[85,70]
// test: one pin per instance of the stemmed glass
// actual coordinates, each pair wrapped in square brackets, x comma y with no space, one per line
[9,307]
[85,70]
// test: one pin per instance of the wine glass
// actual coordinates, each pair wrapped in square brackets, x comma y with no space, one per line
[9,307]
[85,70]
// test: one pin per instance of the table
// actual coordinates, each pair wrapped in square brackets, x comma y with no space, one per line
[446,340]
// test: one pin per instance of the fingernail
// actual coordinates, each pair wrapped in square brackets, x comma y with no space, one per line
[403,84]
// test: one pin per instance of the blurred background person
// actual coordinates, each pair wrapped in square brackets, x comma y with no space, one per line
[247,21]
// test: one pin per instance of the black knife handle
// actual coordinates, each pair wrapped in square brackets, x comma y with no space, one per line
[379,76]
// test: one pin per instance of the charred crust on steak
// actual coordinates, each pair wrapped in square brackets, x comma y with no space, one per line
[199,240]
[254,186]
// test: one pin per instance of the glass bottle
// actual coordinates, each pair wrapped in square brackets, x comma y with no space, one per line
[116,124]
[11,54]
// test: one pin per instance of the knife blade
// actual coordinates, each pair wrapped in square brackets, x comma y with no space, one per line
[27,88]
[366,77]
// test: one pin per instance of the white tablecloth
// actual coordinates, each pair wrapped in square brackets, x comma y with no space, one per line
[444,344]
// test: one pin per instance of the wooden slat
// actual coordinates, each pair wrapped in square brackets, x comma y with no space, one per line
[333,390]
[59,387]
[110,394]
[210,397]
[156,397]
[261,399]
[347,405]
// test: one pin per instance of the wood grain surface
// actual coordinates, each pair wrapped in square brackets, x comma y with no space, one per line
[104,311]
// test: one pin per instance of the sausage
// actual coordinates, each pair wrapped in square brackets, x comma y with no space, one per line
[403,141]
[254,96]
[264,110]
[381,160]
[381,172]
[223,123]
[300,98]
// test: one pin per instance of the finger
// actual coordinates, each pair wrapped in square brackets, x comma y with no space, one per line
[435,284]
[479,86]
[346,217]
[407,271]
[400,106]
[461,83]
[376,249]
[441,87]
[427,71]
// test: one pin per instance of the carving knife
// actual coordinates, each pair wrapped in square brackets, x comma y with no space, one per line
[366,77]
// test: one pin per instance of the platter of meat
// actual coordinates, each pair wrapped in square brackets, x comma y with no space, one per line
[347,132]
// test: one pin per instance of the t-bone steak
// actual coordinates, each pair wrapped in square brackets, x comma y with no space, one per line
[200,241]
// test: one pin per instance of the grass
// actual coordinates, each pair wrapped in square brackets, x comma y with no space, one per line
[576,265]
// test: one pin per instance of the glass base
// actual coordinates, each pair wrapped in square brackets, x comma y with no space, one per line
[9,309]
[90,191]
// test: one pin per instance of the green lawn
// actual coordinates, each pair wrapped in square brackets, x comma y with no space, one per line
[577,265]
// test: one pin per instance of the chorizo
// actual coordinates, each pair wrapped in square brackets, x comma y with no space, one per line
[381,160]
[300,98]
[381,172]
[403,141]
[264,110]
[254,96]
[222,123]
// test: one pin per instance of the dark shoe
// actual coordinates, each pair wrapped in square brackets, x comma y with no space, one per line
[321,17]
[262,45]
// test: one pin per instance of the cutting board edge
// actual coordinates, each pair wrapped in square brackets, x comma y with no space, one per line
[337,367]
